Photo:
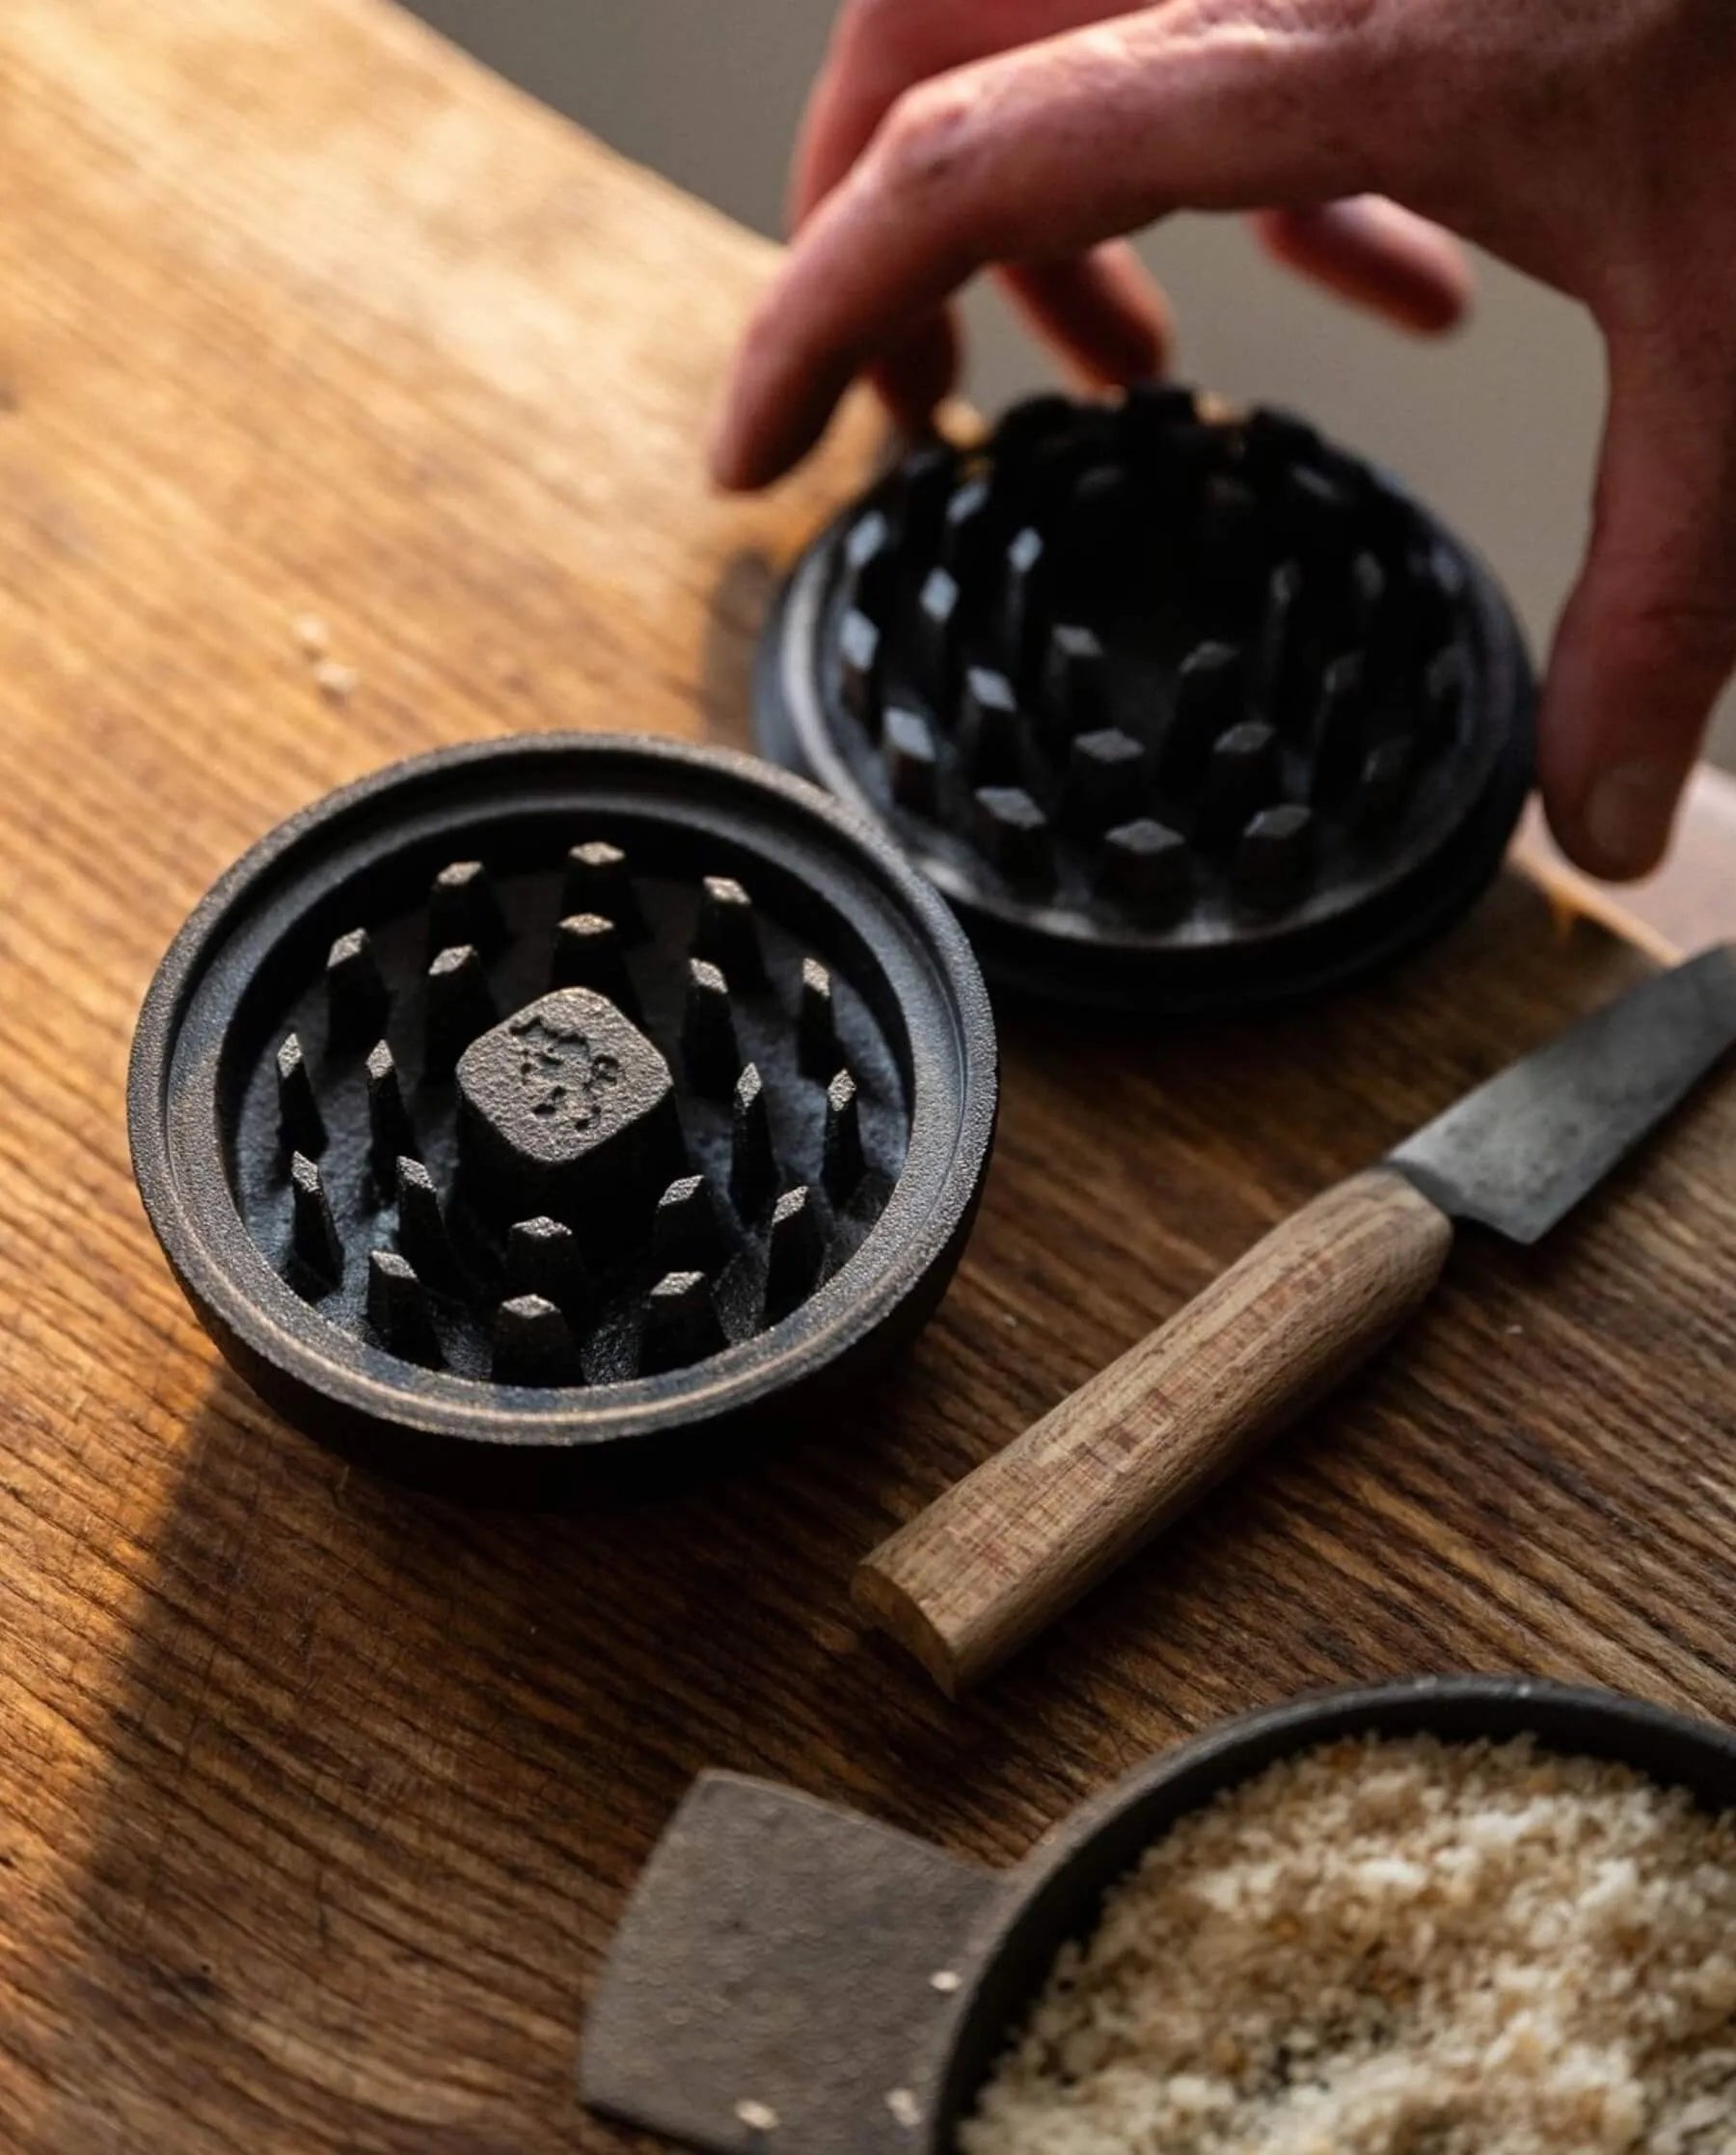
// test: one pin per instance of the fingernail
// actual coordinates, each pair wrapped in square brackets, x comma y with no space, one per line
[1628,815]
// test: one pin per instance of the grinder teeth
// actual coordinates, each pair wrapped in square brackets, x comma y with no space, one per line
[843,1165]
[357,999]
[727,934]
[398,1309]
[542,1258]
[598,882]
[1087,661]
[421,1230]
[460,1007]
[312,1232]
[463,909]
[587,1186]
[301,1126]
[533,1344]
[389,1133]
[681,1324]
[753,1163]
[685,1234]
[817,1021]
[794,1250]
[588,954]
[708,1038]
[912,761]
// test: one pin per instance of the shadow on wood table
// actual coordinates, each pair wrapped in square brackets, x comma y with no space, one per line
[379,1771]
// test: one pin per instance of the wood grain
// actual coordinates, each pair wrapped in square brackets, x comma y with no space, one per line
[988,1566]
[317,1800]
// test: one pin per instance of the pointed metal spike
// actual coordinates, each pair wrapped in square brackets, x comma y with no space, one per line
[597,881]
[542,1258]
[966,530]
[1365,601]
[843,1165]
[1076,681]
[390,1130]
[917,495]
[1245,772]
[300,1124]
[1144,866]
[794,1250]
[1275,855]
[681,1324]
[398,1309]
[422,1229]
[728,934]
[1211,697]
[1339,745]
[1015,833]
[686,1233]
[707,1035]
[938,612]
[1319,512]
[1381,788]
[314,1232]
[870,556]
[912,761]
[989,728]
[1021,622]
[357,997]
[860,643]
[1279,647]
[533,1344]
[588,954]
[463,908]
[752,1163]
[460,1007]
[817,1021]
[1104,771]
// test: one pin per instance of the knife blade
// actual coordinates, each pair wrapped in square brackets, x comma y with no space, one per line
[1519,1152]
[1004,1551]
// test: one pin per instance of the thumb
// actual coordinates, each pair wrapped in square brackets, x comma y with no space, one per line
[1649,637]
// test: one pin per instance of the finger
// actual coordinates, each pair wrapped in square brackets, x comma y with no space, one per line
[1040,152]
[1648,638]
[1104,321]
[881,48]
[920,371]
[1378,256]
[1102,312]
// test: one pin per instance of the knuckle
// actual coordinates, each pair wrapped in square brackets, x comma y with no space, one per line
[1679,611]
[926,144]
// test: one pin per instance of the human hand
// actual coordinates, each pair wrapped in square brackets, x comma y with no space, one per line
[1591,143]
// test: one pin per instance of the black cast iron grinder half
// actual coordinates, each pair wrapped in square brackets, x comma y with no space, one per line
[537,1098]
[1186,710]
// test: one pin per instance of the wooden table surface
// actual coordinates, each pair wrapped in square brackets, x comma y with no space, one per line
[318,1800]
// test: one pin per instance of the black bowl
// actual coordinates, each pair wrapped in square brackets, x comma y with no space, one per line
[1061,1884]
[784,1951]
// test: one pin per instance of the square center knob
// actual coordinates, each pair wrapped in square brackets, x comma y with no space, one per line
[567,1106]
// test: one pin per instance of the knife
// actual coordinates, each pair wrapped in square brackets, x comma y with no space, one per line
[1003,1552]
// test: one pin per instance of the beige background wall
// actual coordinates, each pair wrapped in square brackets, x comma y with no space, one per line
[1497,427]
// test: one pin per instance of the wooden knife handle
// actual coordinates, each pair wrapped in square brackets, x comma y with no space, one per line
[1006,1550]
